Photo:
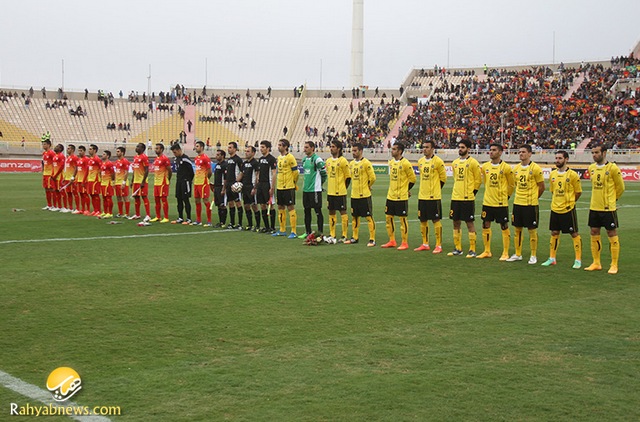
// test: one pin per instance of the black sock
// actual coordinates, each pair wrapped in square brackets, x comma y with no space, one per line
[232,216]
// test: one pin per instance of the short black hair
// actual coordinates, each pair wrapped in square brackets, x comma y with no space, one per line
[499,146]
[161,146]
[73,147]
[400,146]
[224,154]
[357,146]
[311,144]
[123,150]
[200,143]
[175,147]
[266,143]
[233,144]
[106,151]
[527,147]
[564,153]
[465,142]
[285,142]
[94,146]
[429,141]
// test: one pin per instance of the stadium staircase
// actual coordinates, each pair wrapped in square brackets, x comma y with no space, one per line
[574,87]
[408,111]
[190,115]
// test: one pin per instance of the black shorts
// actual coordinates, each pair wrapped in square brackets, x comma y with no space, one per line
[361,207]
[231,195]
[286,197]
[183,189]
[429,209]
[218,196]
[262,193]
[312,199]
[337,203]
[498,214]
[525,216]
[565,223]
[247,198]
[606,219]
[462,211]
[400,208]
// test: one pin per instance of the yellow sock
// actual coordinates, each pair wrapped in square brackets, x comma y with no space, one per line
[404,229]
[614,245]
[457,239]
[332,225]
[282,219]
[473,238]
[486,239]
[577,247]
[506,241]
[372,228]
[355,223]
[345,224]
[553,245]
[596,247]
[518,242]
[533,241]
[391,230]
[437,227]
[424,231]
[293,218]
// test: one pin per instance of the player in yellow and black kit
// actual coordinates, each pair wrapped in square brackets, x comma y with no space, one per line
[607,187]
[286,183]
[529,187]
[338,178]
[362,178]
[401,180]
[497,177]
[466,182]
[432,178]
[566,189]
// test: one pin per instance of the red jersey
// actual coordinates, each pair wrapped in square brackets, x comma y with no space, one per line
[70,166]
[140,163]
[47,162]
[161,170]
[107,173]
[203,167]
[81,175]
[58,165]
[93,169]
[122,170]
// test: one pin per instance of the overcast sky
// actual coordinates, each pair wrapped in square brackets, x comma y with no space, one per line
[256,43]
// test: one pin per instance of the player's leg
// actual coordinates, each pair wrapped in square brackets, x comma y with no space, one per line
[344,220]
[506,241]
[404,233]
[390,225]
[596,241]
[486,235]
[614,247]
[333,221]
[240,213]
[577,249]
[293,220]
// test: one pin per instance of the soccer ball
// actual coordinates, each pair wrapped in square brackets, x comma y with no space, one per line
[236,187]
[329,240]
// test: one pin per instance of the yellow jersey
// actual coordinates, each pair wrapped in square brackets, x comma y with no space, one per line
[607,186]
[466,179]
[362,178]
[498,184]
[400,175]
[337,174]
[432,176]
[527,179]
[563,187]
[287,176]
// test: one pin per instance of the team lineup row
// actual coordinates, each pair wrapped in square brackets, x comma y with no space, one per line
[253,186]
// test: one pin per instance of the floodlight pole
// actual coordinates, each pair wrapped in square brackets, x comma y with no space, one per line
[357,49]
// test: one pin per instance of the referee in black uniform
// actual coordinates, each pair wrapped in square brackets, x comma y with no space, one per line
[184,184]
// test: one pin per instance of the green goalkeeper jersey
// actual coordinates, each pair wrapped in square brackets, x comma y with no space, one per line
[314,173]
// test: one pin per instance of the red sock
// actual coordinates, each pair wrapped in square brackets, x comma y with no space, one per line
[207,206]
[198,211]
[147,206]
[158,203]
[49,198]
[57,201]
[165,207]
[63,196]
[120,207]
[137,206]
[127,206]
[76,196]
[96,203]
[86,202]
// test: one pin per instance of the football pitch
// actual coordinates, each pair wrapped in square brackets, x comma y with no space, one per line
[182,323]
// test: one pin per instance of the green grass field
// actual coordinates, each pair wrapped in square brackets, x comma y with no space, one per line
[207,325]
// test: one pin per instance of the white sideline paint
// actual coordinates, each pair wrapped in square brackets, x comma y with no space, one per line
[138,236]
[35,393]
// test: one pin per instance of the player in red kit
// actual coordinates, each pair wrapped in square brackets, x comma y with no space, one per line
[107,176]
[201,191]
[93,180]
[80,182]
[56,176]
[68,189]
[161,177]
[139,185]
[122,166]
[47,169]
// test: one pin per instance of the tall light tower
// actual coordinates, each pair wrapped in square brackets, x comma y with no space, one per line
[357,49]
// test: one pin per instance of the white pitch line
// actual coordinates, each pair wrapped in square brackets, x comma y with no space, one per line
[35,393]
[139,236]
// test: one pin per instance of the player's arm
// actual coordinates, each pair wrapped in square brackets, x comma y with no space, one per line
[442,172]
[145,175]
[240,174]
[347,172]
[169,172]
[511,181]
[371,174]
[320,165]
[295,173]
[618,181]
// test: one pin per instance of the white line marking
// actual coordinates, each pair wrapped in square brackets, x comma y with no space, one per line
[35,393]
